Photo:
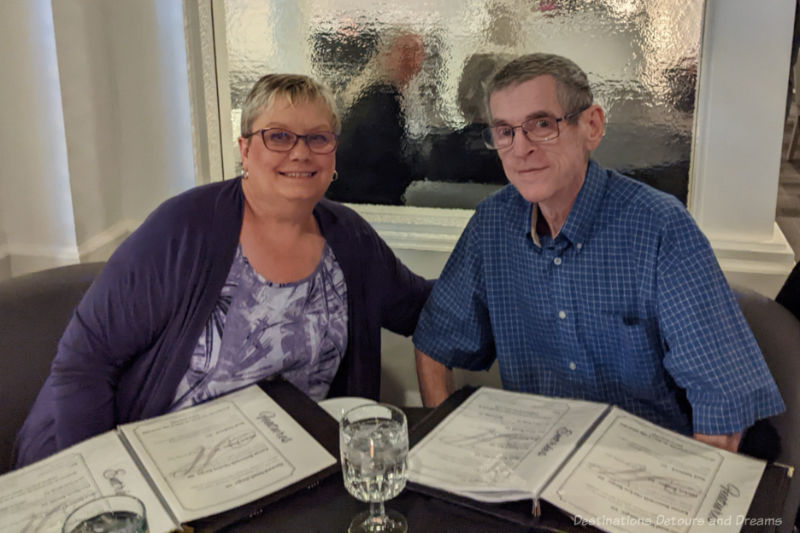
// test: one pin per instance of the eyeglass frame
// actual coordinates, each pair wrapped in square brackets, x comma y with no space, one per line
[297,138]
[487,132]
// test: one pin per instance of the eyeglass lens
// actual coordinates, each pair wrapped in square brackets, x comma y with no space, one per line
[321,142]
[535,129]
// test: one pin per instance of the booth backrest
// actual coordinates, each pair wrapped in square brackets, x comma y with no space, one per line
[778,334]
[34,310]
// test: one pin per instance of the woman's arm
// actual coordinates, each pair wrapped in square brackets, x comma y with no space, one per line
[116,320]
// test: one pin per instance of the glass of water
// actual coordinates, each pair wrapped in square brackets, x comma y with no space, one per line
[108,514]
[373,440]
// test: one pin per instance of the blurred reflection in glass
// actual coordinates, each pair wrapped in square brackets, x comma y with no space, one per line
[641,57]
[460,155]
[374,160]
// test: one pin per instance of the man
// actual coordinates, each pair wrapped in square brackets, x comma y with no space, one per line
[584,283]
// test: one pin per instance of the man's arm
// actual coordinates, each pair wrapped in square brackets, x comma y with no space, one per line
[726,442]
[435,379]
[726,380]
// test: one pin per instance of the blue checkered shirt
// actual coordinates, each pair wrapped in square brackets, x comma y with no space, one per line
[627,305]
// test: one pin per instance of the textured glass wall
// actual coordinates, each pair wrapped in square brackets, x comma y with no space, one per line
[407,75]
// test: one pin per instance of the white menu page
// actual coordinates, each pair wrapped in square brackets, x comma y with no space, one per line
[501,445]
[634,476]
[222,454]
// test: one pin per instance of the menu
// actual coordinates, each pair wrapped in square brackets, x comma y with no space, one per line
[184,465]
[603,466]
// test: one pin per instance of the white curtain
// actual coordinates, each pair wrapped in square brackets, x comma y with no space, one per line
[96,127]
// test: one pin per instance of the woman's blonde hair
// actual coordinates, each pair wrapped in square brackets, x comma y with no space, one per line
[293,87]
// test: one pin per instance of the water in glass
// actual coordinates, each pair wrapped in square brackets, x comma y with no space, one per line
[374,459]
[373,440]
[117,513]
[113,522]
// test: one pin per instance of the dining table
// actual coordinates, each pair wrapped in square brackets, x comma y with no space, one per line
[325,505]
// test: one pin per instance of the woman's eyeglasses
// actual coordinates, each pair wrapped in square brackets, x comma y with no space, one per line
[278,140]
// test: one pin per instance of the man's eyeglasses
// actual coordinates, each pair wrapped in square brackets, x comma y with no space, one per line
[278,140]
[537,129]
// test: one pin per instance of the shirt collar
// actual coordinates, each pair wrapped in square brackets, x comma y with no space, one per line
[580,221]
[537,226]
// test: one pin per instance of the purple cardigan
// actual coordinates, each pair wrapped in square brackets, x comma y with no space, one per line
[130,340]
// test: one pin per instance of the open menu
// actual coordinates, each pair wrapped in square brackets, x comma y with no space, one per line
[185,465]
[601,465]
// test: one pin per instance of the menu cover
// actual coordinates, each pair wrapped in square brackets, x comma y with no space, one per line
[595,463]
[210,465]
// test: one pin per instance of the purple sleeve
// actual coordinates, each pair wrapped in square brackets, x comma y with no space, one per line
[120,316]
[404,292]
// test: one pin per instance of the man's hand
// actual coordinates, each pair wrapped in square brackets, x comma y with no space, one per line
[435,379]
[726,442]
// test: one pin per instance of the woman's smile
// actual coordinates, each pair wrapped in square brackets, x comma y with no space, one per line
[298,174]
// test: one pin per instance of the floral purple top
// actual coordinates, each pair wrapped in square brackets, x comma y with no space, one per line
[260,329]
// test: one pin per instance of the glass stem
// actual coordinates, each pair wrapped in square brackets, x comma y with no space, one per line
[376,512]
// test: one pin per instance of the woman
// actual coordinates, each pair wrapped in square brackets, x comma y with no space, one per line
[230,283]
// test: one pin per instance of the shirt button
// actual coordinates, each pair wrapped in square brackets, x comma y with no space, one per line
[572,365]
[557,261]
[562,314]
[579,245]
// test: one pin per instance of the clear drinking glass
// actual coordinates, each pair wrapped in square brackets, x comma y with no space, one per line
[108,514]
[373,440]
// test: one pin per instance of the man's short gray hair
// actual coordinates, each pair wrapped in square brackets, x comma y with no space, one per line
[572,86]
[293,87]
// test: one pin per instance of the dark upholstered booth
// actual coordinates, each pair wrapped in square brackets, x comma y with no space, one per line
[778,334]
[34,310]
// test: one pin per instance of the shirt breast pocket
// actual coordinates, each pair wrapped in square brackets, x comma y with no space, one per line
[626,351]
